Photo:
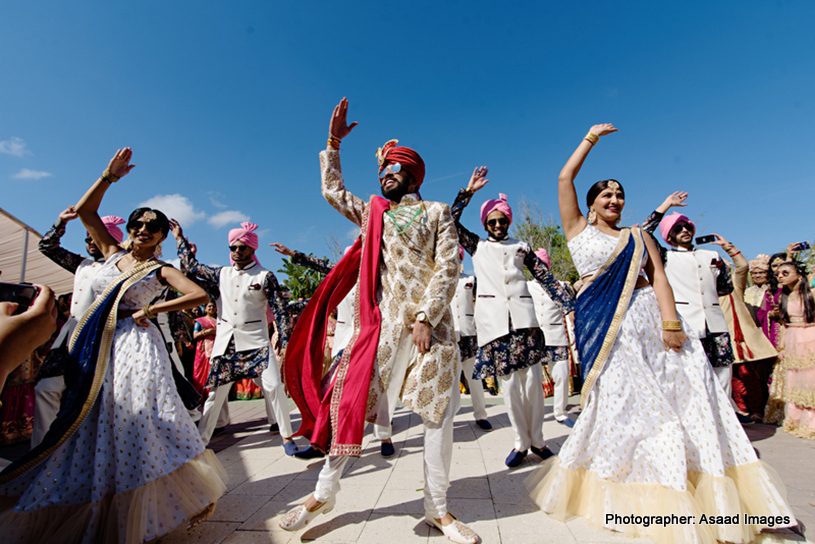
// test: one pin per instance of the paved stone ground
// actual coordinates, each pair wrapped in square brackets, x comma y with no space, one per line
[381,499]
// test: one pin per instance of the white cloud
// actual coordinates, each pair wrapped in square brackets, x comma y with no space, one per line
[14,146]
[222,219]
[176,207]
[352,234]
[175,262]
[25,173]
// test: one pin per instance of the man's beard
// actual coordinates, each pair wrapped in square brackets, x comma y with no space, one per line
[396,191]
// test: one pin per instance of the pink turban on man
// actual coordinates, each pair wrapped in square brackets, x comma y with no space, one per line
[670,221]
[111,222]
[543,255]
[245,234]
[499,204]
[407,157]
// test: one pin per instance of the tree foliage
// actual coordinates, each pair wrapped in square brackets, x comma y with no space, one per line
[538,230]
[300,281]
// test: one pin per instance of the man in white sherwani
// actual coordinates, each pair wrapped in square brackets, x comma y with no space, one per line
[242,348]
[694,277]
[463,307]
[553,325]
[416,358]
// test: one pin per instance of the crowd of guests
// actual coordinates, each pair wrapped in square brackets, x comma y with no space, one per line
[674,346]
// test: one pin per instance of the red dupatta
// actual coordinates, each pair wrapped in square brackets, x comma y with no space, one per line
[337,418]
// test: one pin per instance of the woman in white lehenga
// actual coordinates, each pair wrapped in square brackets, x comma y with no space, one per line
[123,462]
[657,435]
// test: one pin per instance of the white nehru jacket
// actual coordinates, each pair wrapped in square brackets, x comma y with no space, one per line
[693,280]
[83,287]
[345,322]
[502,290]
[242,309]
[549,316]
[463,306]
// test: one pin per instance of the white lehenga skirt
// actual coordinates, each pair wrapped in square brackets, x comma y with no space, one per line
[133,471]
[658,437]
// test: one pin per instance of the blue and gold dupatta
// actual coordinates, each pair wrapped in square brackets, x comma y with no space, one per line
[89,354]
[601,305]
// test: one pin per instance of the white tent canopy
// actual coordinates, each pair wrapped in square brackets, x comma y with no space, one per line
[21,261]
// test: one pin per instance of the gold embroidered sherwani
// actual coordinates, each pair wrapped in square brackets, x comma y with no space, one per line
[418,272]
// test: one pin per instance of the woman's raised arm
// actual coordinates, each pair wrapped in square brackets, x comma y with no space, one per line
[88,205]
[571,218]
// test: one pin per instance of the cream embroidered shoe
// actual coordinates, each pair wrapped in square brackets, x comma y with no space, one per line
[298,517]
[456,531]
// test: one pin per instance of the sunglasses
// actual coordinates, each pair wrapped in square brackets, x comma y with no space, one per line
[394,168]
[89,240]
[679,228]
[503,221]
[151,226]
[235,249]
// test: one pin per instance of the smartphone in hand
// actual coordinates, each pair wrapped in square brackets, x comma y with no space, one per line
[802,246]
[21,293]
[705,239]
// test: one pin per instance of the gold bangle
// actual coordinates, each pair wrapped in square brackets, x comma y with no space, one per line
[110,177]
[334,142]
[671,326]
[148,312]
[592,138]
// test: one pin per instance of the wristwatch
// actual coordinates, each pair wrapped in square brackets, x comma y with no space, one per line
[421,317]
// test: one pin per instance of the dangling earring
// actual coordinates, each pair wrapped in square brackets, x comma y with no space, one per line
[157,251]
[591,217]
[127,245]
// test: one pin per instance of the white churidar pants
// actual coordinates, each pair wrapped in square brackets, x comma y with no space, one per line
[560,375]
[47,396]
[523,398]
[476,390]
[277,408]
[438,440]
[725,374]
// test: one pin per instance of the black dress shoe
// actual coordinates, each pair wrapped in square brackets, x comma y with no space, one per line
[309,453]
[483,424]
[274,428]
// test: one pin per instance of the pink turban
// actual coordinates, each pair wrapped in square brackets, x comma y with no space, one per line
[111,222]
[544,256]
[245,234]
[499,204]
[670,221]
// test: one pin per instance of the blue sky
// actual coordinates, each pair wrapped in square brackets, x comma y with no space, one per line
[226,106]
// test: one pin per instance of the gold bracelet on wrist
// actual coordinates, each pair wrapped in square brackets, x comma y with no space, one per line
[109,177]
[148,312]
[592,138]
[333,141]
[672,326]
